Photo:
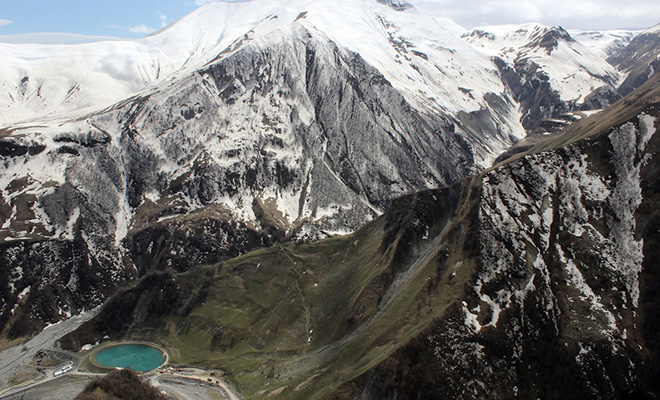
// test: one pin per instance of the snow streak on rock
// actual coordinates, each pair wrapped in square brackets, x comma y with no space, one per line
[557,280]
[629,143]
[555,211]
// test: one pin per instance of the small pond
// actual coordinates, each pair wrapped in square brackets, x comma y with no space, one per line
[138,357]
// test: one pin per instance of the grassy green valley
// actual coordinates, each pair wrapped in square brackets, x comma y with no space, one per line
[298,320]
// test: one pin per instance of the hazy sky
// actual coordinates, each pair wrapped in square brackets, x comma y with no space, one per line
[571,14]
[136,18]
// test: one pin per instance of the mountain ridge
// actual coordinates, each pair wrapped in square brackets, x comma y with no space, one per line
[550,251]
[277,128]
[547,70]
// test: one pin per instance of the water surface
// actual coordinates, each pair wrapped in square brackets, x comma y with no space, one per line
[137,357]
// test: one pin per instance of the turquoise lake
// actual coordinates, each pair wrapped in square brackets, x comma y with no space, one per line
[137,357]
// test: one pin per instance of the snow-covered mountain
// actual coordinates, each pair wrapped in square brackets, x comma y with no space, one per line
[607,42]
[548,70]
[241,125]
[427,64]
[48,81]
[248,124]
[245,124]
[639,60]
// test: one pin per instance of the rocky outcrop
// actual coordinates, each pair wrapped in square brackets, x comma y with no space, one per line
[564,288]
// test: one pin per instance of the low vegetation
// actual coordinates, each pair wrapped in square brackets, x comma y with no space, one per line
[298,320]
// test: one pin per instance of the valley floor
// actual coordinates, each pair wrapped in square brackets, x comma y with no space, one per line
[24,376]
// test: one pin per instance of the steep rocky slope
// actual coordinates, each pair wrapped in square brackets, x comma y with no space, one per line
[287,133]
[566,284]
[639,60]
[565,290]
[539,271]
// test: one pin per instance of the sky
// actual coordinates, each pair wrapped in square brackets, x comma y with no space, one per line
[137,18]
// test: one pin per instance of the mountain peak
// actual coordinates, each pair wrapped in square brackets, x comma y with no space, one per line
[655,29]
[398,5]
[523,33]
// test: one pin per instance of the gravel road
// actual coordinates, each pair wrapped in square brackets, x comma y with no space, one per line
[15,360]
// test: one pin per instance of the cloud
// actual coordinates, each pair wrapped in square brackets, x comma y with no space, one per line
[163,19]
[4,22]
[142,28]
[52,38]
[584,14]
[114,26]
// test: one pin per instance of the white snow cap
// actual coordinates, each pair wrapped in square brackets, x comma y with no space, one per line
[414,51]
[654,29]
[574,70]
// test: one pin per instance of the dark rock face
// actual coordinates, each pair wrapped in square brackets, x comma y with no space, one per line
[565,288]
[600,98]
[44,281]
[639,60]
[538,100]
[532,90]
[550,40]
[10,148]
[398,5]
[185,243]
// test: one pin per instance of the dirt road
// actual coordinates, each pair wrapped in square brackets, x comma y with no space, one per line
[15,360]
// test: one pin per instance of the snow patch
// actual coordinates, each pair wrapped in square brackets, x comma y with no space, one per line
[471,318]
[626,197]
[588,295]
